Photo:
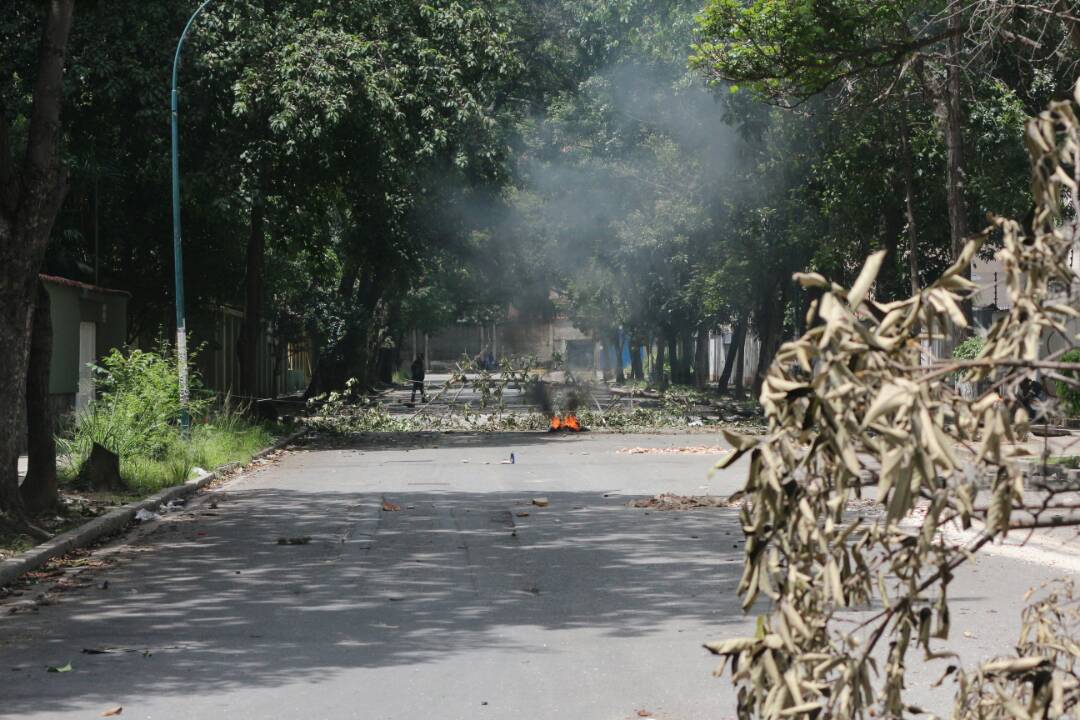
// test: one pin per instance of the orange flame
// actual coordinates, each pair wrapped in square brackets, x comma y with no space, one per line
[569,423]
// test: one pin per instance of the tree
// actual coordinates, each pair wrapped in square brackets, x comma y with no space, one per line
[851,405]
[40,489]
[790,51]
[31,193]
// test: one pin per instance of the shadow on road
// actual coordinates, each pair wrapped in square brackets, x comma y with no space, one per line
[210,601]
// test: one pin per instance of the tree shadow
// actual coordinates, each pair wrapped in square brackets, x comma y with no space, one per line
[209,600]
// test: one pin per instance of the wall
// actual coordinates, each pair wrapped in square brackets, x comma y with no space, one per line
[72,302]
[282,368]
[513,338]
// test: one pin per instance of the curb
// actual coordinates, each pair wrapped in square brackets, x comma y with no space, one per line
[13,568]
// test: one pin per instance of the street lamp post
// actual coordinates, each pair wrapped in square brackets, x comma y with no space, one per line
[178,256]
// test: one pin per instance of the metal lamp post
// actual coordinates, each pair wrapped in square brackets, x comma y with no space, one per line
[178,256]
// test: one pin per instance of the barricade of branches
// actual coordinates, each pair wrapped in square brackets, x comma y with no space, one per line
[856,406]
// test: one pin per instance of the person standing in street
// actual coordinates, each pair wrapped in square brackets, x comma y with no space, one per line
[418,378]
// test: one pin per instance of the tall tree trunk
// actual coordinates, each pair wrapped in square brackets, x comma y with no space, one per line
[39,488]
[30,198]
[1066,8]
[909,205]
[658,366]
[954,143]
[738,339]
[701,359]
[673,357]
[637,371]
[890,284]
[255,262]
[686,357]
[770,333]
[325,376]
[616,345]
[740,370]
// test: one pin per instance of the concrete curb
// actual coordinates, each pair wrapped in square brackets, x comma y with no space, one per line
[13,568]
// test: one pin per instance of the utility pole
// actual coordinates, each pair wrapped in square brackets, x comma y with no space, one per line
[178,255]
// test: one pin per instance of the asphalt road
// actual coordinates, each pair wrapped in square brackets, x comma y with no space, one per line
[468,602]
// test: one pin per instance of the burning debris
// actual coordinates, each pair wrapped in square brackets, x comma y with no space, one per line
[565,423]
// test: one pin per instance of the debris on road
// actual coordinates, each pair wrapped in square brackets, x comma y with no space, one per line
[145,515]
[303,540]
[112,711]
[693,450]
[388,506]
[60,669]
[540,502]
[670,501]
[172,506]
[522,514]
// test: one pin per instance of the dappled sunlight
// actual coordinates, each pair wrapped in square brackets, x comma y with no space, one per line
[372,589]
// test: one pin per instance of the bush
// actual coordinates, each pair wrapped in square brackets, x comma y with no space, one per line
[1069,394]
[136,416]
[140,395]
[969,349]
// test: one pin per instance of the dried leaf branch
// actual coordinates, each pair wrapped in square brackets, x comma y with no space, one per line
[853,402]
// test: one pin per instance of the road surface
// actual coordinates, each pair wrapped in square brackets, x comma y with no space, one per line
[469,602]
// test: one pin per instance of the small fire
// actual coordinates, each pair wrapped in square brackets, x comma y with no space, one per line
[567,423]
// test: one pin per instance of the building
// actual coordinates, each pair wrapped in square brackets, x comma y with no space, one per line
[88,321]
[283,367]
[515,335]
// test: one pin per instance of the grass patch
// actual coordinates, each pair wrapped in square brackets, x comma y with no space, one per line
[210,446]
[135,417]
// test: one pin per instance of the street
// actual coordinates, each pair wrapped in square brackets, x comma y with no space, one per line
[462,597]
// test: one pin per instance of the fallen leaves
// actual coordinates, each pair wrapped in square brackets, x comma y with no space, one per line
[112,711]
[540,502]
[302,540]
[60,669]
[388,506]
[694,450]
[670,501]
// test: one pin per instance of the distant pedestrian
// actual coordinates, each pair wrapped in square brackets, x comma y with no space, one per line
[418,378]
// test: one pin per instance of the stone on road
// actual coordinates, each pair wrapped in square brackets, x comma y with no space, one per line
[432,586]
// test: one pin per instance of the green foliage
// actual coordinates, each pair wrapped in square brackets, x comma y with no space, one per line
[1069,394]
[969,349]
[137,408]
[801,47]
[136,414]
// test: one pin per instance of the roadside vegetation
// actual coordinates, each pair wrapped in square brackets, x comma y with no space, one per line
[135,417]
[632,407]
[851,406]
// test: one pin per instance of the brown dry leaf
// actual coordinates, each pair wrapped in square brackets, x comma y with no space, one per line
[540,502]
[693,450]
[112,711]
[644,713]
[388,506]
[522,514]
[670,501]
